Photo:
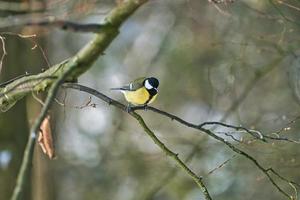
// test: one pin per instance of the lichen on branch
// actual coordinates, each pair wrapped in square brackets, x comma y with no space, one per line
[79,63]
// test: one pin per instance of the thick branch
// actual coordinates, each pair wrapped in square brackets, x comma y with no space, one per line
[79,63]
[69,69]
[28,153]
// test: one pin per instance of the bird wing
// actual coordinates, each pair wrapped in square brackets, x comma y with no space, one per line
[133,86]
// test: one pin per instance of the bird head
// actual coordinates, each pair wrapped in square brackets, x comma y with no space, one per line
[151,83]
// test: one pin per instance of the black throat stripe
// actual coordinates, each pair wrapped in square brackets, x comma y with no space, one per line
[150,97]
[152,93]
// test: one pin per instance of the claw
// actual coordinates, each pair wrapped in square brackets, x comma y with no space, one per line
[128,108]
[145,107]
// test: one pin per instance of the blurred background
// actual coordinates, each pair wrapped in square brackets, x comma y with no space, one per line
[233,62]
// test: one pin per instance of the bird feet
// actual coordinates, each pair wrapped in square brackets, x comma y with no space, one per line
[129,108]
[145,107]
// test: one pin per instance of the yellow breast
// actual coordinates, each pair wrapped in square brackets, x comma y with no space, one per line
[138,97]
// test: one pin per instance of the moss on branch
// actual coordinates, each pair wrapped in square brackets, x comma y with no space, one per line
[79,63]
[53,77]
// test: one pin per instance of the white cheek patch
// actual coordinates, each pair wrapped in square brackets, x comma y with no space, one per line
[147,85]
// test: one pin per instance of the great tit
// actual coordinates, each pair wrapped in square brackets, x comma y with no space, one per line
[141,91]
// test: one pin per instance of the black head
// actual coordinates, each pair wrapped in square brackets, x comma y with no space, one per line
[151,83]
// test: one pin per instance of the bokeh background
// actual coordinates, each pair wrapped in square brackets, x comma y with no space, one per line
[234,62]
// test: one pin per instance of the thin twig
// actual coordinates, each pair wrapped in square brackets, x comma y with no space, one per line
[231,136]
[33,41]
[173,155]
[254,133]
[288,5]
[221,165]
[185,123]
[71,68]
[13,79]
[28,152]
[87,103]
[228,144]
[282,14]
[282,178]
[37,99]
[86,56]
[4,53]
[63,24]
[166,179]
[198,180]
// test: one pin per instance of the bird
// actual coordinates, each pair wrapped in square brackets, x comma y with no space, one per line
[140,92]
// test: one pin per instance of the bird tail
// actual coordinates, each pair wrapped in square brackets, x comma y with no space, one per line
[117,89]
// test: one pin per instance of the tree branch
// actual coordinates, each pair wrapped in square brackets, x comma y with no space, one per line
[69,69]
[80,63]
[228,144]
[185,123]
[61,24]
[198,180]
[28,152]
[282,14]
